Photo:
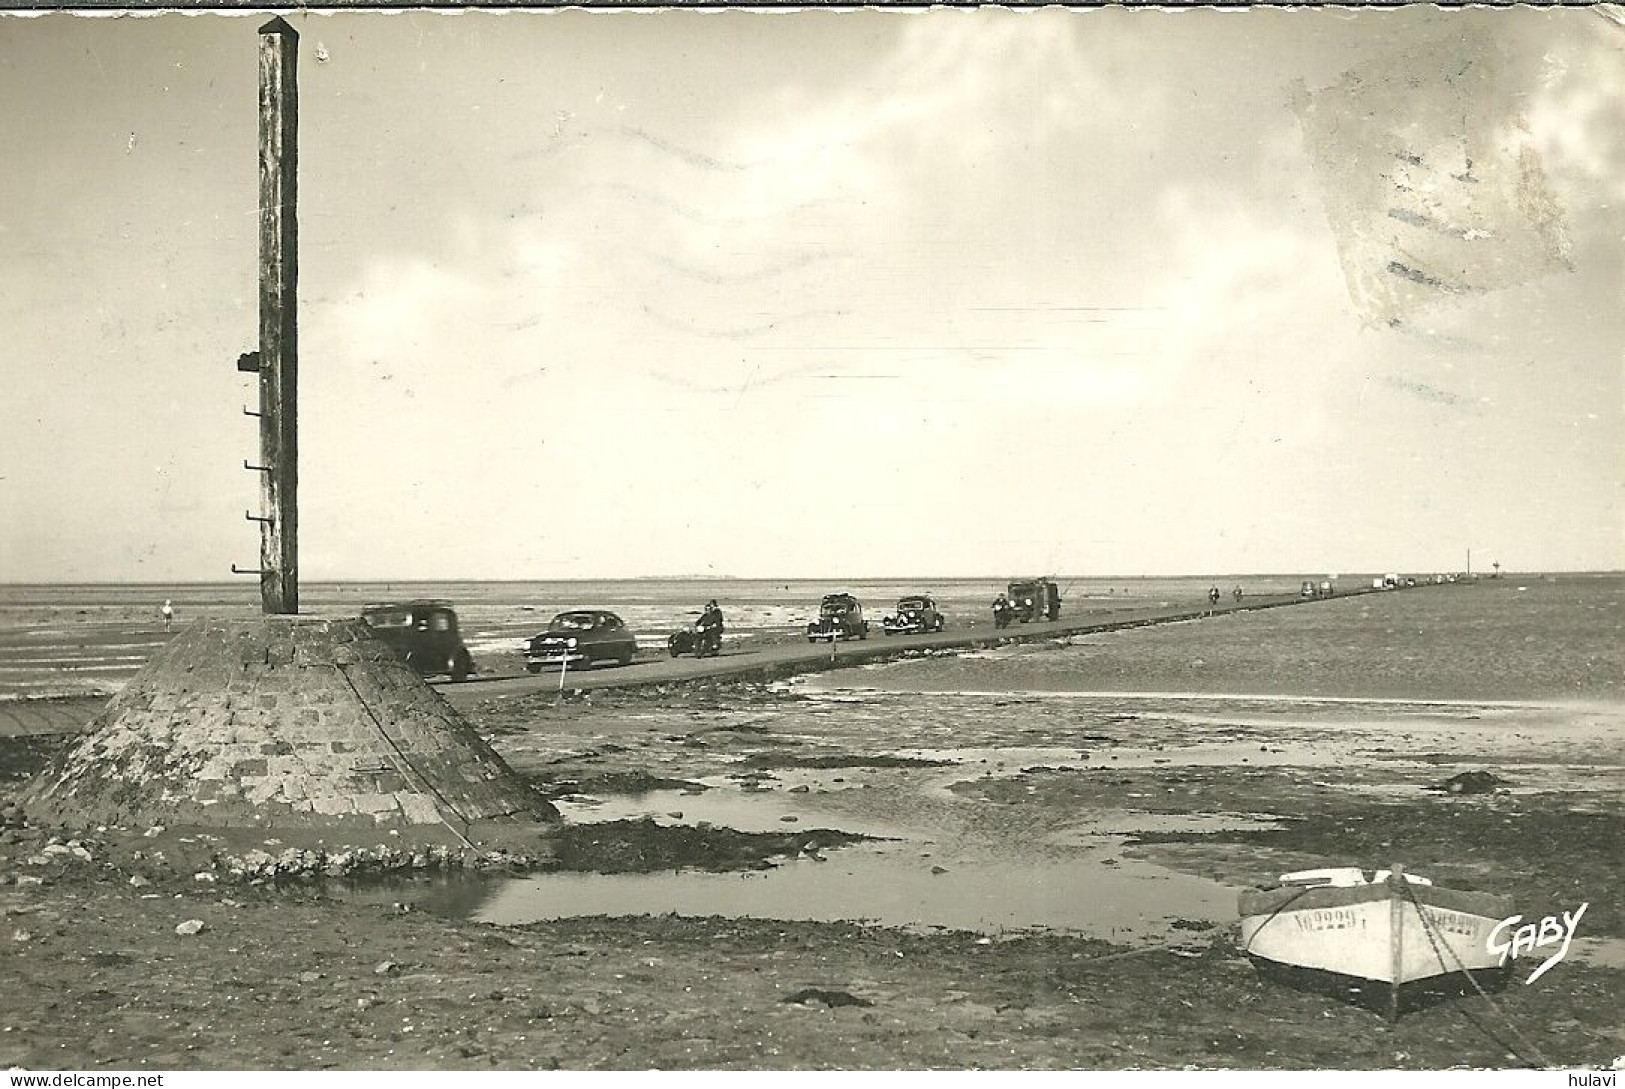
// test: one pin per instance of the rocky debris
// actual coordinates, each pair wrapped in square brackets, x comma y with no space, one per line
[310,863]
[71,849]
[1471,782]
[190,927]
[832,999]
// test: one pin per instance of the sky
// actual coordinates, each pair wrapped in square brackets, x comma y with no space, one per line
[825,294]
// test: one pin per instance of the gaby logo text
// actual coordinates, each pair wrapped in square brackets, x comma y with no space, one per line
[1531,936]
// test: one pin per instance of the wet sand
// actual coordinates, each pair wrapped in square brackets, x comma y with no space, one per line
[1219,784]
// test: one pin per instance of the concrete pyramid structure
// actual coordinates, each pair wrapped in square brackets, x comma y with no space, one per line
[280,722]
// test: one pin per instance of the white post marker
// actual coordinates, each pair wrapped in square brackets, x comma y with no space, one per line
[564,667]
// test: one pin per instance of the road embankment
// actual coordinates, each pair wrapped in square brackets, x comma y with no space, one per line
[778,661]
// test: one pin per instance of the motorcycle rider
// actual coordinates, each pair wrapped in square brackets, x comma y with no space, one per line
[711,628]
[1001,612]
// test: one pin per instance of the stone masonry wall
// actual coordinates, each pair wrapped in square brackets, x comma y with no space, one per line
[279,721]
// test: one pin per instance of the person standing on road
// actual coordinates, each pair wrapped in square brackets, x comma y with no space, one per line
[1237,592]
[1213,599]
[167,611]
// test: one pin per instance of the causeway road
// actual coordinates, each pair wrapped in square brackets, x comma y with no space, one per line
[766,662]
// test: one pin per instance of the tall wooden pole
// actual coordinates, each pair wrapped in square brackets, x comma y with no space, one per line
[279,342]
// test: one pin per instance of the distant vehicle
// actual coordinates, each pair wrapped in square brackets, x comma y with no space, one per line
[1034,599]
[1326,588]
[1391,582]
[839,617]
[425,633]
[581,637]
[1307,589]
[701,639]
[914,615]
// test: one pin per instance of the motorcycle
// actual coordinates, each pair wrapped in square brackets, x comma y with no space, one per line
[699,639]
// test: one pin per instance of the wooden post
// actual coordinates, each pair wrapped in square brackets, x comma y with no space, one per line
[279,342]
[1396,937]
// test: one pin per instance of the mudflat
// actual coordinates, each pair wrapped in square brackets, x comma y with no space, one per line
[1024,857]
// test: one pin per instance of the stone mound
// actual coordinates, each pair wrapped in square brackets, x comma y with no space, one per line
[280,721]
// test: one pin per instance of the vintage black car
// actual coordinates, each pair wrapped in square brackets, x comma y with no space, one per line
[425,633]
[1034,599]
[914,615]
[839,617]
[581,637]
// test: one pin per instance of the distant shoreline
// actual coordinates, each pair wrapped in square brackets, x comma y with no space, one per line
[856,579]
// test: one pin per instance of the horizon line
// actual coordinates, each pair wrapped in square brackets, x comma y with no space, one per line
[1504,573]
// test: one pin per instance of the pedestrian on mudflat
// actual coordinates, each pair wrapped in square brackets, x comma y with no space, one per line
[167,611]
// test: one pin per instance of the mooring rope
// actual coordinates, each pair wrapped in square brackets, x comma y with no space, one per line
[1142,951]
[426,781]
[1288,902]
[1428,931]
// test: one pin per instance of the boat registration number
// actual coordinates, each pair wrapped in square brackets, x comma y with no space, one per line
[1329,919]
[1452,922]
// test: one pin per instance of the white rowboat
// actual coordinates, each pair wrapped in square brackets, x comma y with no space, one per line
[1372,937]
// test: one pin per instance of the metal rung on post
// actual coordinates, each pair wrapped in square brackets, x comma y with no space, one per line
[235,570]
[256,468]
[257,517]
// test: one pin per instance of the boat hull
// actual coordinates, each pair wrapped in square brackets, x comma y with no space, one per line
[1349,933]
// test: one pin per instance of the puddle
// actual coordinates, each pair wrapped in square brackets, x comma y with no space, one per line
[1075,882]
[1599,952]
[887,884]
